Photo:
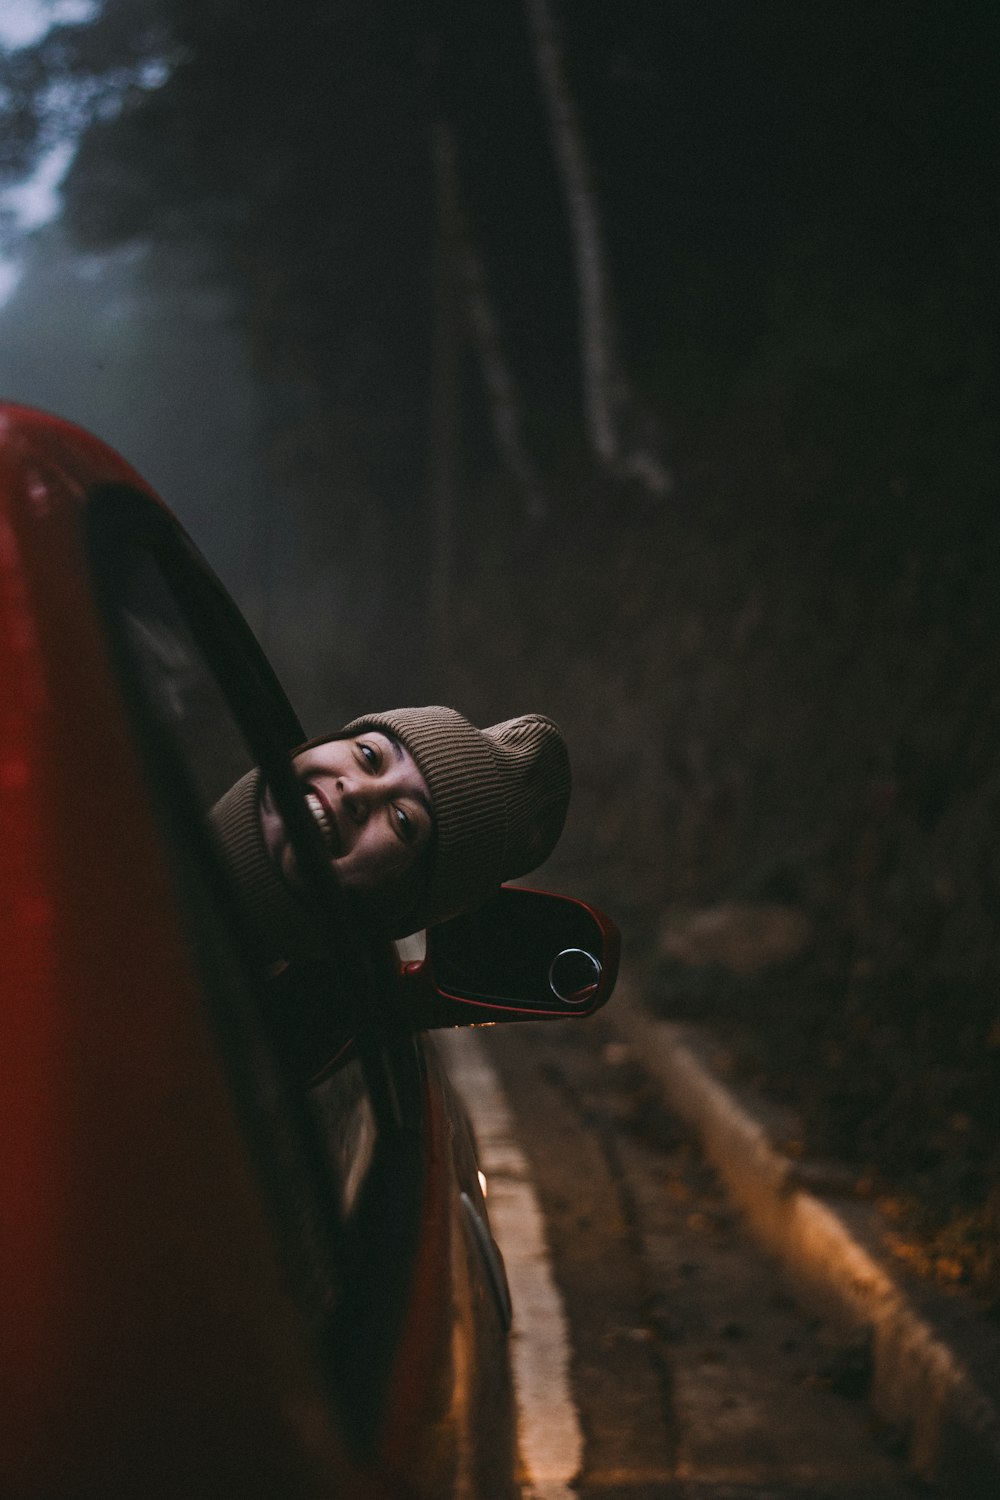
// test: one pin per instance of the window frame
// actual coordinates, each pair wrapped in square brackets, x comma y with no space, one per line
[119,519]
[375,1247]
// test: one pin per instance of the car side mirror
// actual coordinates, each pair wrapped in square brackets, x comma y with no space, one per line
[525,955]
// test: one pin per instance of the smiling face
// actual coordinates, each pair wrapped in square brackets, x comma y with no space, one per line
[372,806]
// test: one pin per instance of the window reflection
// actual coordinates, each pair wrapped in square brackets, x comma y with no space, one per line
[194,716]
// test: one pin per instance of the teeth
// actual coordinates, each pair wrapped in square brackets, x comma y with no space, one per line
[319,813]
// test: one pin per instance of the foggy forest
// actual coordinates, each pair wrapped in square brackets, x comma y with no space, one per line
[636,363]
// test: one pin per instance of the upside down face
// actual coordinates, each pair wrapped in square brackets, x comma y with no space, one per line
[371,804]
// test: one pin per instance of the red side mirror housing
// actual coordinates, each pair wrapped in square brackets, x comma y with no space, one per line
[524,956]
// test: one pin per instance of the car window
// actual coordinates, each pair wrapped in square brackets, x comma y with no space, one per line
[183,692]
[196,723]
[340,1154]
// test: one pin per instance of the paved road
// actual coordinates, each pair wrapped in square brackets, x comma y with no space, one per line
[689,1370]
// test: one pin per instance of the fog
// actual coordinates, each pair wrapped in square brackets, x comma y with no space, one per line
[140,347]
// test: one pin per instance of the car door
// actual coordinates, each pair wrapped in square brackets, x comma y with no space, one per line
[392,1282]
[264,1277]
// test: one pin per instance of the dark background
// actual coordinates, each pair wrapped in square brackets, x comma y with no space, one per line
[780,678]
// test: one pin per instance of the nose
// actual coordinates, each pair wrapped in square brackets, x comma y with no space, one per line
[355,800]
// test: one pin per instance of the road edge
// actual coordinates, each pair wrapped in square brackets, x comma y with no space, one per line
[920,1387]
[550,1439]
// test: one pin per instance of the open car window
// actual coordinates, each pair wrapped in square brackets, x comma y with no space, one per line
[335,1127]
[200,692]
[190,708]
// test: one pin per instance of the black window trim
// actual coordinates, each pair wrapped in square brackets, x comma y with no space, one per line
[118,518]
[387,1223]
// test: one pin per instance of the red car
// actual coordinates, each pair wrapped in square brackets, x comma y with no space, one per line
[245,1252]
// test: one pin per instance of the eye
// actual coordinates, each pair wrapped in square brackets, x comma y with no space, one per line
[405,826]
[370,755]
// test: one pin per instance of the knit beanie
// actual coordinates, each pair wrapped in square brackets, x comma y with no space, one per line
[279,920]
[499,797]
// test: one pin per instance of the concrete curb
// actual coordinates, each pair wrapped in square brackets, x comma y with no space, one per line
[920,1386]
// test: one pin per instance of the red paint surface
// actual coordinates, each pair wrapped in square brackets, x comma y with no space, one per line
[148,1344]
[420,1390]
[32,1023]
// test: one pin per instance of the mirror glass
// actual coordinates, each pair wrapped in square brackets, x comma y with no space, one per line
[526,950]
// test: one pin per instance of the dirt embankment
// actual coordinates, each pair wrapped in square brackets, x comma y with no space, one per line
[782,691]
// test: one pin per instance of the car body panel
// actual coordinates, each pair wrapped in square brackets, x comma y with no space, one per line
[151,1343]
[150,1346]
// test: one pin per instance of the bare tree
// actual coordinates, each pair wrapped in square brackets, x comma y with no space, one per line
[625,440]
[506,406]
[444,426]
[462,303]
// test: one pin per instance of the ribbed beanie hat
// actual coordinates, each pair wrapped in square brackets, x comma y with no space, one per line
[500,797]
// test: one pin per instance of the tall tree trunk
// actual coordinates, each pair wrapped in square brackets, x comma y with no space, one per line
[445,351]
[624,441]
[506,407]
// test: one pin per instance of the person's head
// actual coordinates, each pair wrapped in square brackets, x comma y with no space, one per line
[423,815]
[371,803]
